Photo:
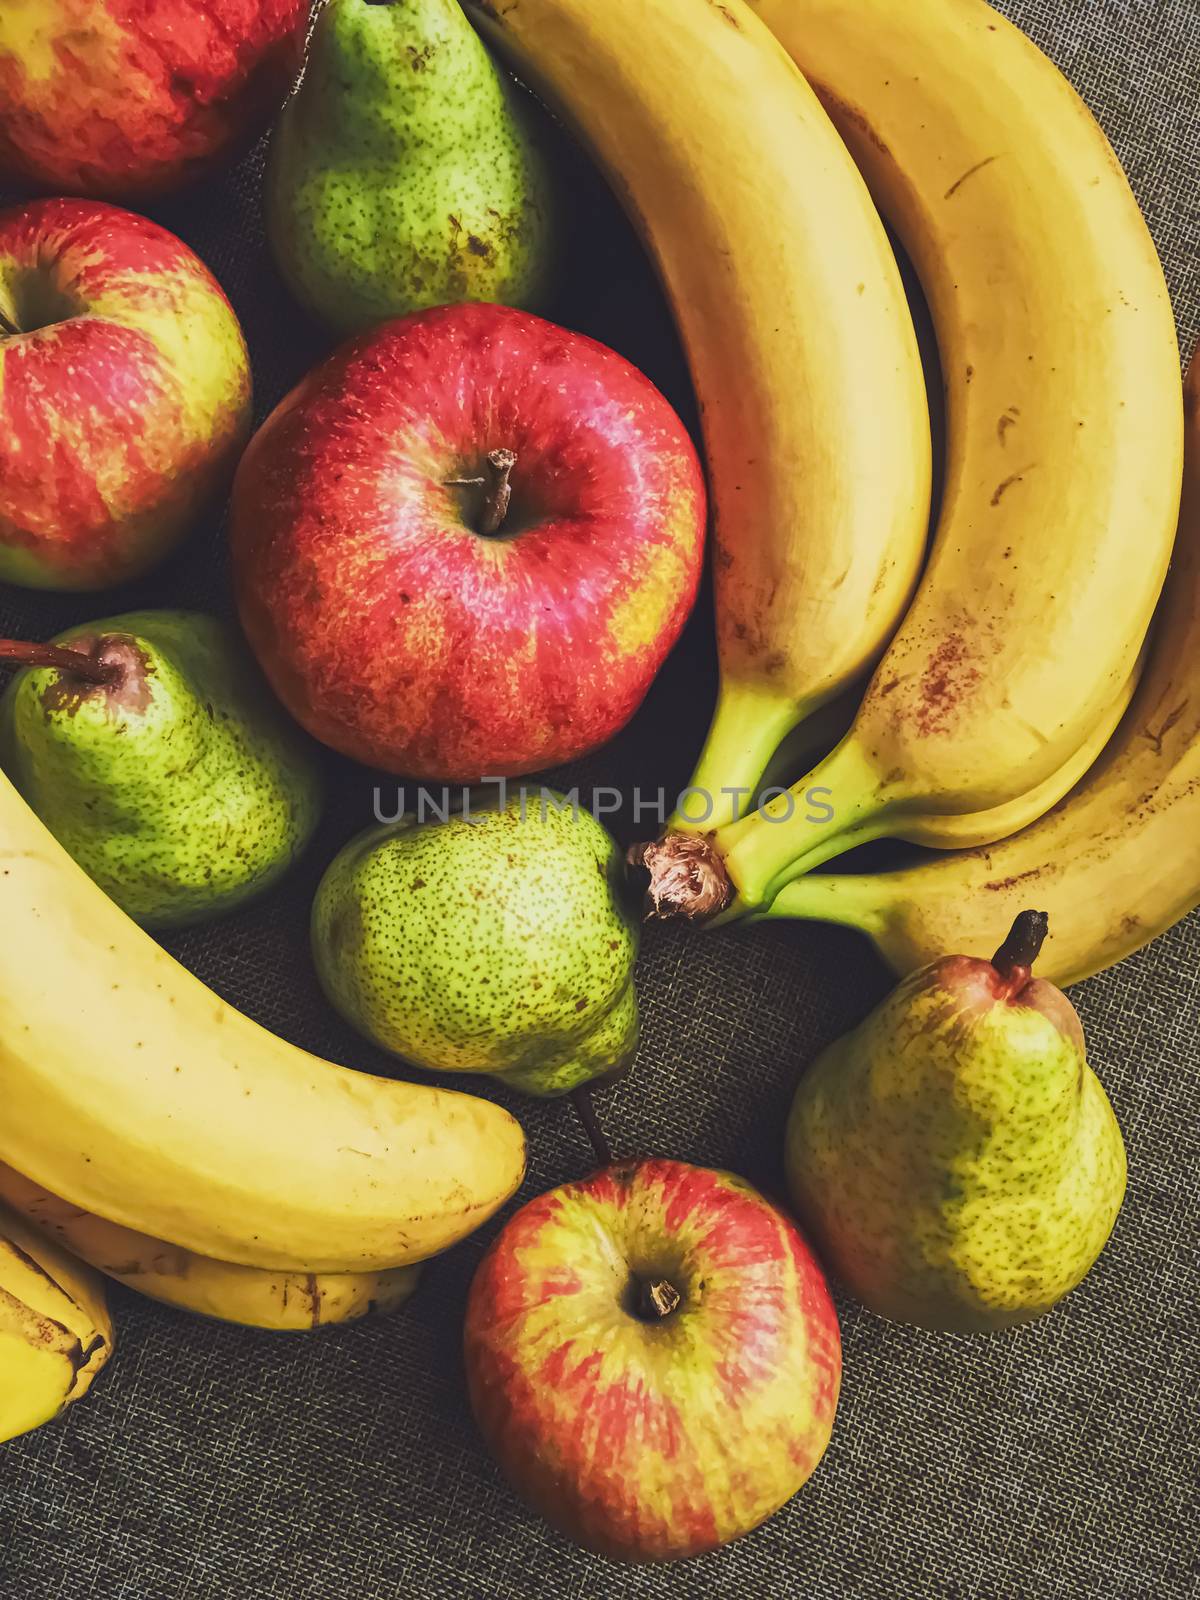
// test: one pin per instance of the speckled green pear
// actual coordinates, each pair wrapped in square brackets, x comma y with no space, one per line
[955,1158]
[499,943]
[178,785]
[404,172]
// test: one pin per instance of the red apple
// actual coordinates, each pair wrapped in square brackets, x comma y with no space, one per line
[124,393]
[653,1357]
[395,623]
[129,98]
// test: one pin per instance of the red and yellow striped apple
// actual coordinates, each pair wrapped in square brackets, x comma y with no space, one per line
[420,623]
[125,99]
[653,1357]
[124,393]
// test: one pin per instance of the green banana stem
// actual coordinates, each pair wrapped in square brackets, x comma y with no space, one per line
[851,900]
[739,870]
[839,804]
[747,729]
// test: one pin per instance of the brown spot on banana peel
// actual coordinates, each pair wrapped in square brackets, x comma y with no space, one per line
[969,173]
[1155,740]
[950,673]
[839,108]
[1006,422]
[725,12]
[1014,477]
[999,884]
[42,1330]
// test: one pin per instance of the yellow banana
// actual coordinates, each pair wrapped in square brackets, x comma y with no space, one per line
[1116,864]
[961,831]
[793,316]
[255,1297]
[1064,425]
[133,1091]
[55,1331]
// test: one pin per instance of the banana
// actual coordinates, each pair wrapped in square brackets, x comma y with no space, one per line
[962,830]
[1064,427]
[55,1331]
[134,1092]
[1116,864]
[252,1296]
[797,332]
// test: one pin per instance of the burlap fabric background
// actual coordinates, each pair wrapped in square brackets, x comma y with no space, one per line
[1058,1460]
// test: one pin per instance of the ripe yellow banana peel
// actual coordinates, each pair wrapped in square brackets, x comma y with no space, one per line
[55,1330]
[253,1297]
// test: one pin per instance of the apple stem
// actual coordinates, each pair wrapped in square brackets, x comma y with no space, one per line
[1015,957]
[24,653]
[656,1298]
[585,1109]
[497,490]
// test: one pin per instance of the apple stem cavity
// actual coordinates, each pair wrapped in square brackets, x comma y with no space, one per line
[24,653]
[497,490]
[1015,957]
[8,328]
[585,1109]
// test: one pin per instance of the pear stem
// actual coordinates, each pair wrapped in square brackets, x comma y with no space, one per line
[585,1110]
[24,653]
[1015,957]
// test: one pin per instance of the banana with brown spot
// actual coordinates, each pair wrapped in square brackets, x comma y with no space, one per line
[55,1330]
[254,1297]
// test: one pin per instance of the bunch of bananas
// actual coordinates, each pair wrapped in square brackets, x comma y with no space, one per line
[1004,675]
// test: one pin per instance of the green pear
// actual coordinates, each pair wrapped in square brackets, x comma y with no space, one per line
[155,755]
[404,172]
[496,941]
[955,1158]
